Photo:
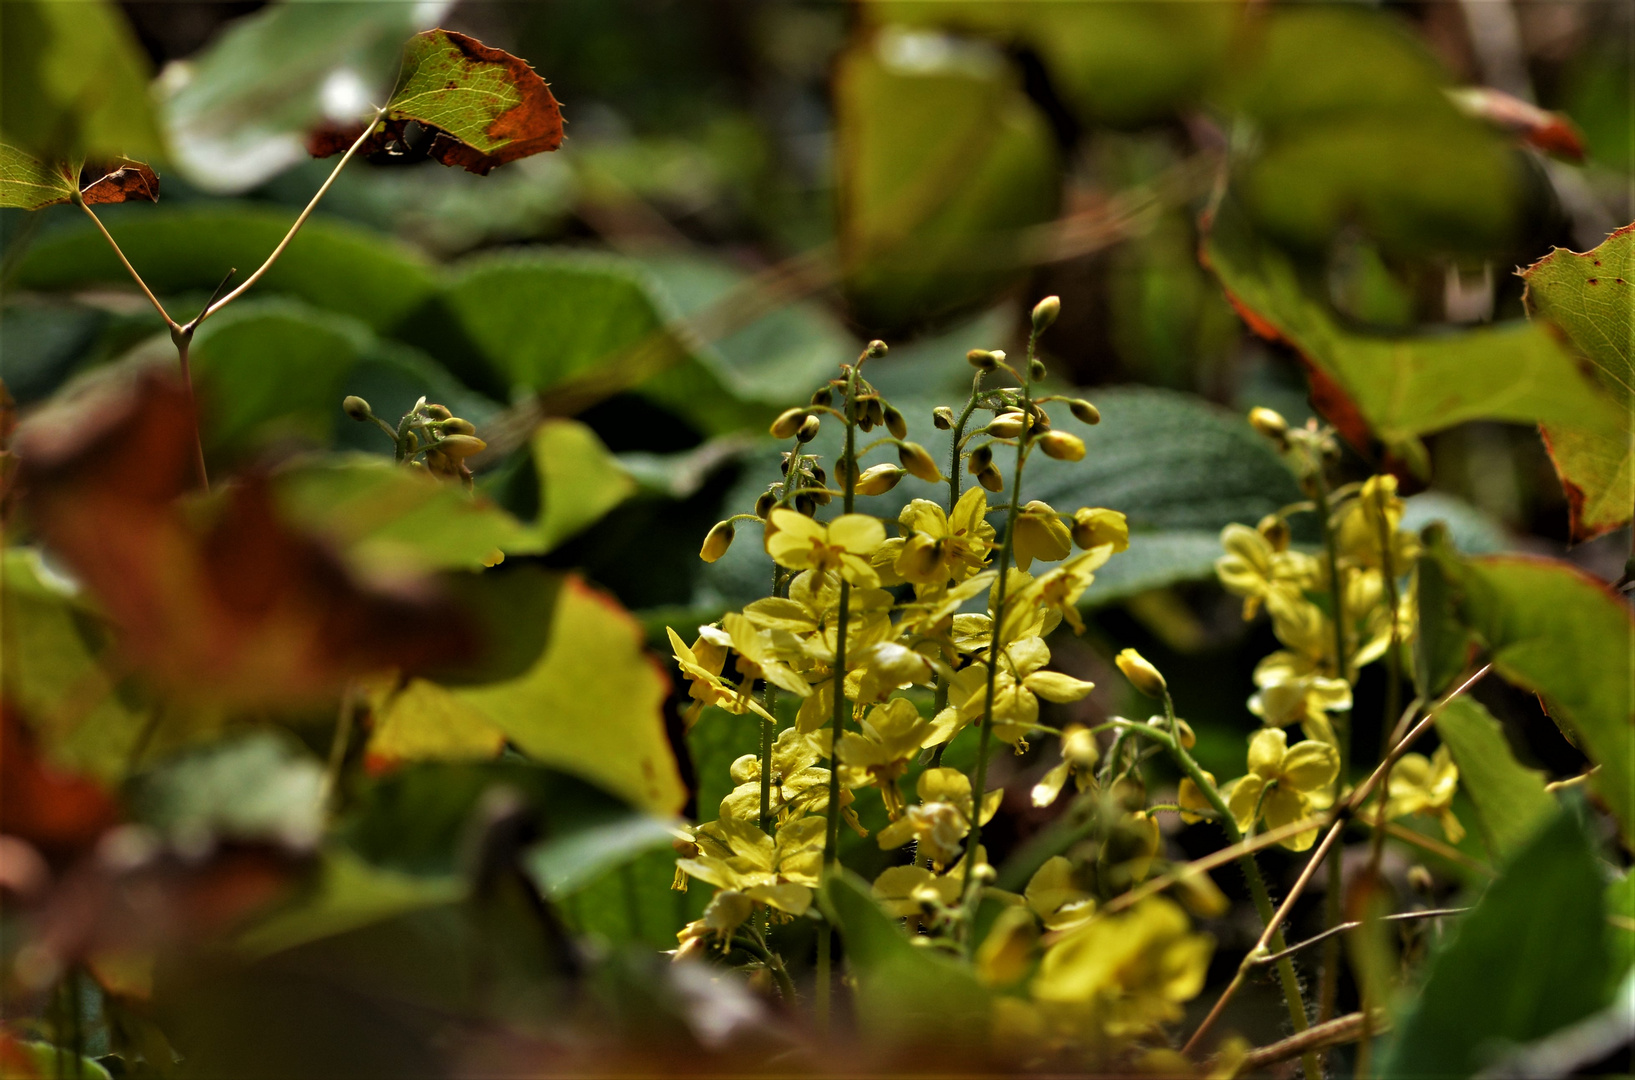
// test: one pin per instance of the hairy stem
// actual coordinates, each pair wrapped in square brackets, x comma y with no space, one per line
[769,702]
[1328,986]
[955,440]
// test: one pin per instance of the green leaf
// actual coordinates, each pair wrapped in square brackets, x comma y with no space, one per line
[73,82]
[28,183]
[45,1060]
[905,995]
[1530,959]
[567,864]
[330,265]
[389,519]
[579,480]
[1113,63]
[1407,386]
[490,106]
[591,704]
[1587,299]
[1510,798]
[1351,123]
[1442,645]
[1551,629]
[943,162]
[239,111]
[257,788]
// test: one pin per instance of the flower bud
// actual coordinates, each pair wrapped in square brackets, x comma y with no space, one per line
[457,426]
[716,541]
[918,462]
[991,479]
[1036,369]
[457,447]
[878,479]
[1189,738]
[764,505]
[356,407]
[844,473]
[1093,526]
[943,418]
[877,349]
[1085,412]
[1062,445]
[436,412]
[1007,425]
[1269,423]
[808,429]
[788,422]
[982,359]
[980,459]
[1142,675]
[1045,312]
[806,505]
[876,413]
[823,396]
[1276,531]
[895,422]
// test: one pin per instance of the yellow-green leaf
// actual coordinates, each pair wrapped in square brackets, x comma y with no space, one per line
[1510,798]
[28,183]
[423,721]
[579,480]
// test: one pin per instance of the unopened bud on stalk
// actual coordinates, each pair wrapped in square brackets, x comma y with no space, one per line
[876,412]
[877,349]
[1007,425]
[764,505]
[805,504]
[357,408]
[943,418]
[436,412]
[980,458]
[1085,412]
[1269,423]
[1189,738]
[918,462]
[1036,369]
[1276,531]
[879,479]
[1094,526]
[716,541]
[823,396]
[458,447]
[788,422]
[1062,445]
[1142,675]
[991,479]
[895,422]
[983,359]
[1045,312]
[808,429]
[457,426]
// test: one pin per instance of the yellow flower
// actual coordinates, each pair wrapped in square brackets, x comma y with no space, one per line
[1293,691]
[1254,570]
[1359,523]
[797,787]
[914,890]
[882,667]
[1130,971]
[1055,896]
[1094,526]
[701,666]
[892,735]
[1017,688]
[1058,590]
[726,912]
[762,654]
[1040,534]
[1079,756]
[778,871]
[942,819]
[1006,953]
[1426,786]
[1194,806]
[797,542]
[939,548]
[1285,783]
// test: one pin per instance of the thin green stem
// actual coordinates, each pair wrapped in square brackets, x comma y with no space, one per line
[769,701]
[774,964]
[1328,986]
[955,441]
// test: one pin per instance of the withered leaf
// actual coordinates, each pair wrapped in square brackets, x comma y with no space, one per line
[128,182]
[58,812]
[483,106]
[27,183]
[215,599]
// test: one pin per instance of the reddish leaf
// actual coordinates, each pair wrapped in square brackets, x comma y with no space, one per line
[58,812]
[130,182]
[217,599]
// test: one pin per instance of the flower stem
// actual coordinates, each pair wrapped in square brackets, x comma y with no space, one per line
[769,701]
[1328,985]
[956,439]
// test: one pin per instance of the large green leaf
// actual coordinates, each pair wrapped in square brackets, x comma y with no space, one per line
[330,265]
[1588,298]
[1120,62]
[905,995]
[1408,386]
[942,161]
[240,109]
[579,480]
[1510,798]
[1350,122]
[1530,959]
[73,81]
[1551,629]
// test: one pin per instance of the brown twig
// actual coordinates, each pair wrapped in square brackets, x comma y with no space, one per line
[1340,928]
[1336,1032]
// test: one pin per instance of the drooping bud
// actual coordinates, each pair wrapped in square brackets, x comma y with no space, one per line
[1062,445]
[844,473]
[356,407]
[808,429]
[980,459]
[917,461]
[1085,412]
[823,396]
[1045,312]
[716,541]
[943,418]
[805,504]
[1276,531]
[982,359]
[1094,526]
[1189,738]
[879,479]
[991,479]
[764,505]
[436,412]
[895,422]
[1007,425]
[1142,675]
[876,413]
[458,447]
[1036,369]
[1269,423]
[788,422]
[877,349]
[457,426]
